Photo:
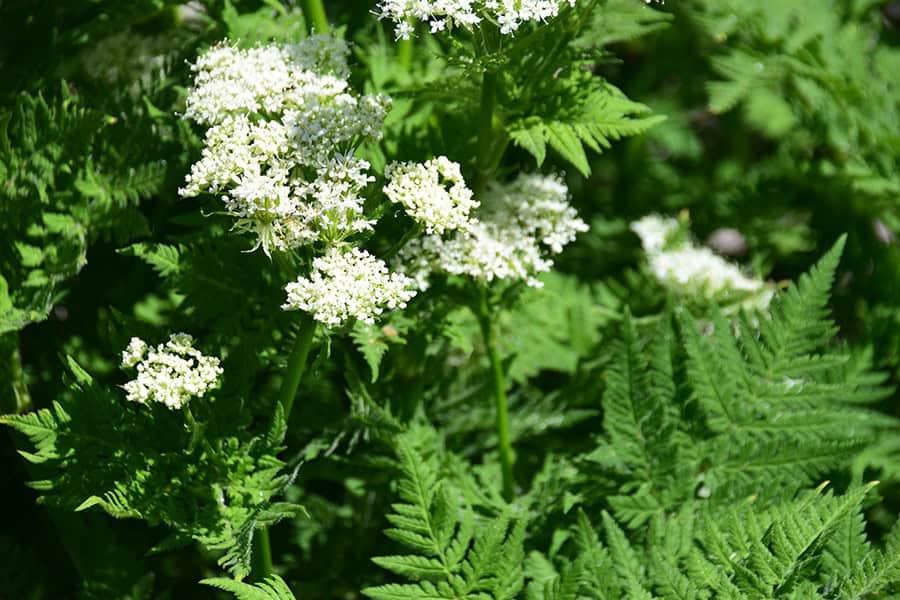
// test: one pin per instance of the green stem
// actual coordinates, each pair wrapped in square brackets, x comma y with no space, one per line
[261,558]
[485,319]
[405,53]
[486,129]
[314,10]
[14,397]
[296,364]
[487,160]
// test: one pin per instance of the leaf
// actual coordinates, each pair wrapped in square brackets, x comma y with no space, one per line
[272,588]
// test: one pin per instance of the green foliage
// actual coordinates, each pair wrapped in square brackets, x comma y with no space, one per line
[273,588]
[456,554]
[795,69]
[742,551]
[662,448]
[602,117]
[571,110]
[714,415]
[140,462]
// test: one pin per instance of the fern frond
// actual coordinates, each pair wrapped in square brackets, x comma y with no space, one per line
[273,588]
[875,572]
[604,117]
[800,321]
[456,556]
[627,567]
[164,258]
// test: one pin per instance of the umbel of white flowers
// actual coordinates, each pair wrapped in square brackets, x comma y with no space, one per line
[518,227]
[280,122]
[443,15]
[433,193]
[695,271]
[348,283]
[172,373]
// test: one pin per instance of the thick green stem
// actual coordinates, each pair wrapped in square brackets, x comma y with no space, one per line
[314,10]
[296,364]
[486,129]
[405,53]
[504,445]
[261,559]
[487,160]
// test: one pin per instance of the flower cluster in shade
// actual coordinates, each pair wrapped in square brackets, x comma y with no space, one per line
[172,373]
[441,15]
[433,193]
[695,271]
[518,227]
[281,120]
[348,283]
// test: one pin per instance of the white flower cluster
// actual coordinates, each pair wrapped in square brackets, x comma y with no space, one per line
[348,283]
[445,14]
[278,116]
[434,193]
[692,270]
[519,226]
[171,374]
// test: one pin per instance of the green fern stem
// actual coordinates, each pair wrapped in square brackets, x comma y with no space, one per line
[314,10]
[19,399]
[504,445]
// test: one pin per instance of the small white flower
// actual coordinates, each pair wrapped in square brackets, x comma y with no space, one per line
[654,231]
[695,270]
[539,204]
[511,14]
[172,373]
[445,14]
[276,115]
[348,283]
[433,193]
[265,79]
[520,225]
[134,352]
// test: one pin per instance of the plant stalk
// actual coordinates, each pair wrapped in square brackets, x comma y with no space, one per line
[261,558]
[317,20]
[15,397]
[487,160]
[486,129]
[504,445]
[405,53]
[296,364]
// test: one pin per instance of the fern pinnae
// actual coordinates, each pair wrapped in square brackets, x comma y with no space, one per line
[272,588]
[628,569]
[876,571]
[704,366]
[452,559]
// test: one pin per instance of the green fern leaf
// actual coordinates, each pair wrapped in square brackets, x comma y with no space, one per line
[272,588]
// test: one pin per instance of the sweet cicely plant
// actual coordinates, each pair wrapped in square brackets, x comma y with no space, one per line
[395,337]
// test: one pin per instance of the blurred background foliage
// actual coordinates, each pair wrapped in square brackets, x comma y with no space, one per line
[782,132]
